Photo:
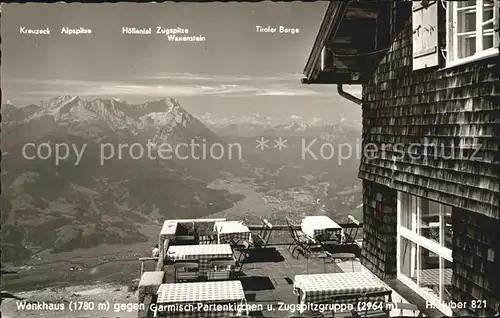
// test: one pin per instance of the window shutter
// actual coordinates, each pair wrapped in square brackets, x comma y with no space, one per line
[425,34]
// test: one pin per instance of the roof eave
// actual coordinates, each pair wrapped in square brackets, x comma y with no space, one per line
[329,25]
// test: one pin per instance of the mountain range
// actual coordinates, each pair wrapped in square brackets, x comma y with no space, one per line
[60,206]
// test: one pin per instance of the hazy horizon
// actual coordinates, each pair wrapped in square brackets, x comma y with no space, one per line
[235,72]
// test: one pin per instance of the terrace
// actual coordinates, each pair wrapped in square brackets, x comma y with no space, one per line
[267,273]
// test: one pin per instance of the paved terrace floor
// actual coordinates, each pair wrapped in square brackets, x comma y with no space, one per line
[267,278]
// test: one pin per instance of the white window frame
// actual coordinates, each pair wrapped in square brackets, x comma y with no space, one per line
[412,235]
[452,48]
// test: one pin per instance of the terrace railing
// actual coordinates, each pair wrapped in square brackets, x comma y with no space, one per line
[280,229]
[143,260]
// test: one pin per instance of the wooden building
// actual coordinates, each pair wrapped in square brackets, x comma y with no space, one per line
[431,136]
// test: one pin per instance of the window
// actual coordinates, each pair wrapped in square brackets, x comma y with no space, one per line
[472,30]
[408,259]
[434,222]
[424,248]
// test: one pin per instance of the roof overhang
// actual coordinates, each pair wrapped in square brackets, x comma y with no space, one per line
[349,43]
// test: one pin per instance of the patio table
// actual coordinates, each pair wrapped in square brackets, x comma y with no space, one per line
[232,230]
[314,288]
[319,225]
[201,253]
[192,296]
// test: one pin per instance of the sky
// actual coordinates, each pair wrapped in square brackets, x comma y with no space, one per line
[236,71]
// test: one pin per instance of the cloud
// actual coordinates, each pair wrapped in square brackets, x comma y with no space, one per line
[221,78]
[316,120]
[143,90]
[179,85]
[286,92]
[295,117]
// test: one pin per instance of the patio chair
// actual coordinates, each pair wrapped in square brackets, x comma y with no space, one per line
[374,297]
[310,314]
[259,241]
[186,271]
[236,243]
[243,253]
[341,256]
[221,270]
[345,299]
[262,239]
[209,238]
[184,240]
[338,299]
[299,240]
[351,233]
[409,307]
[238,263]
[307,313]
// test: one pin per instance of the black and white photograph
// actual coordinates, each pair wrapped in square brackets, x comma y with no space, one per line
[250,159]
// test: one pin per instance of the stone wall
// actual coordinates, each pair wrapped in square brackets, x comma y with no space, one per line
[149,284]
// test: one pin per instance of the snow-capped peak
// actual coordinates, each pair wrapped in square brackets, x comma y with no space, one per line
[58,101]
[296,126]
[160,120]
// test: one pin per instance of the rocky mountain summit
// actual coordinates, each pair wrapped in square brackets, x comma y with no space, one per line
[60,206]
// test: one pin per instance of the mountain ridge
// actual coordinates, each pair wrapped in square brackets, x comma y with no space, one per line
[61,207]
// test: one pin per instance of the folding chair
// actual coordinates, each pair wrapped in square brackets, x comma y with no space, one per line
[262,239]
[345,299]
[351,232]
[343,257]
[299,240]
[221,270]
[259,240]
[409,307]
[186,271]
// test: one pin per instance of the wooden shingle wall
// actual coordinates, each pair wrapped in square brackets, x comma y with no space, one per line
[435,133]
[379,230]
[476,262]
[445,121]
